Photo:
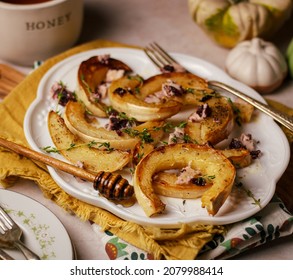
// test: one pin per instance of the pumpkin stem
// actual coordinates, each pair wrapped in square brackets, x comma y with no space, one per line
[233,2]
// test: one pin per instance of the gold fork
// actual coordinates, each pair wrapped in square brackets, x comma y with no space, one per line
[4,255]
[164,61]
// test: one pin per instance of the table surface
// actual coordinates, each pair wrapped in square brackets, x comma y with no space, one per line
[167,22]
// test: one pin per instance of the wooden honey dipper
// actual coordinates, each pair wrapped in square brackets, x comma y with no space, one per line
[112,186]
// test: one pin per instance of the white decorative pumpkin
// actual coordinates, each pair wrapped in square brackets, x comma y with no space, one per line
[257,63]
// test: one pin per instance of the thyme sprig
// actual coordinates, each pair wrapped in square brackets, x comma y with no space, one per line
[50,149]
[248,193]
[106,145]
[121,115]
[168,127]
[86,84]
[236,111]
[62,94]
[144,135]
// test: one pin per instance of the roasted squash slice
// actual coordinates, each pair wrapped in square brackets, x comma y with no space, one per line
[78,152]
[215,127]
[125,96]
[240,158]
[91,74]
[75,120]
[210,163]
[193,87]
[130,95]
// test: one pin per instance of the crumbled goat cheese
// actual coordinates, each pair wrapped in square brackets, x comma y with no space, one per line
[202,112]
[102,89]
[168,90]
[104,58]
[186,175]
[117,123]
[100,92]
[246,141]
[60,92]
[114,74]
[79,164]
[177,136]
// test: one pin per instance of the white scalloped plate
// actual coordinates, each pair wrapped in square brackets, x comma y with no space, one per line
[43,232]
[260,178]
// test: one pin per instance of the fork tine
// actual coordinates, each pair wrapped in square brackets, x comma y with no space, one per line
[159,54]
[12,233]
[165,62]
[152,56]
[2,226]
[163,53]
[5,217]
[4,255]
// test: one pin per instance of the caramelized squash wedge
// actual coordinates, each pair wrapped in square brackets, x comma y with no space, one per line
[216,126]
[77,151]
[208,161]
[240,158]
[194,88]
[92,73]
[164,183]
[130,95]
[75,120]
[125,96]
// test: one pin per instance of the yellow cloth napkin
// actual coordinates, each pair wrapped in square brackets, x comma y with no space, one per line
[182,243]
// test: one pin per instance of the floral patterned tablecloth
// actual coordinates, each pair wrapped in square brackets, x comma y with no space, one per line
[273,222]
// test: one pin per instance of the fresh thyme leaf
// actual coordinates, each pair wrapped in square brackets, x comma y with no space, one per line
[72,145]
[110,110]
[106,145]
[182,125]
[144,135]
[132,170]
[131,132]
[50,149]
[123,115]
[248,193]
[188,139]
[136,77]
[189,90]
[86,84]
[91,144]
[139,156]
[236,112]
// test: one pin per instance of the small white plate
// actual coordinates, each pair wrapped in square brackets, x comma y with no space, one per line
[43,232]
[260,177]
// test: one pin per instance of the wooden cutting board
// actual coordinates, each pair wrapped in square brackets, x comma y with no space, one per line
[9,79]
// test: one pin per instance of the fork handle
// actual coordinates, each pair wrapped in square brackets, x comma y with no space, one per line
[278,116]
[30,255]
[5,256]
